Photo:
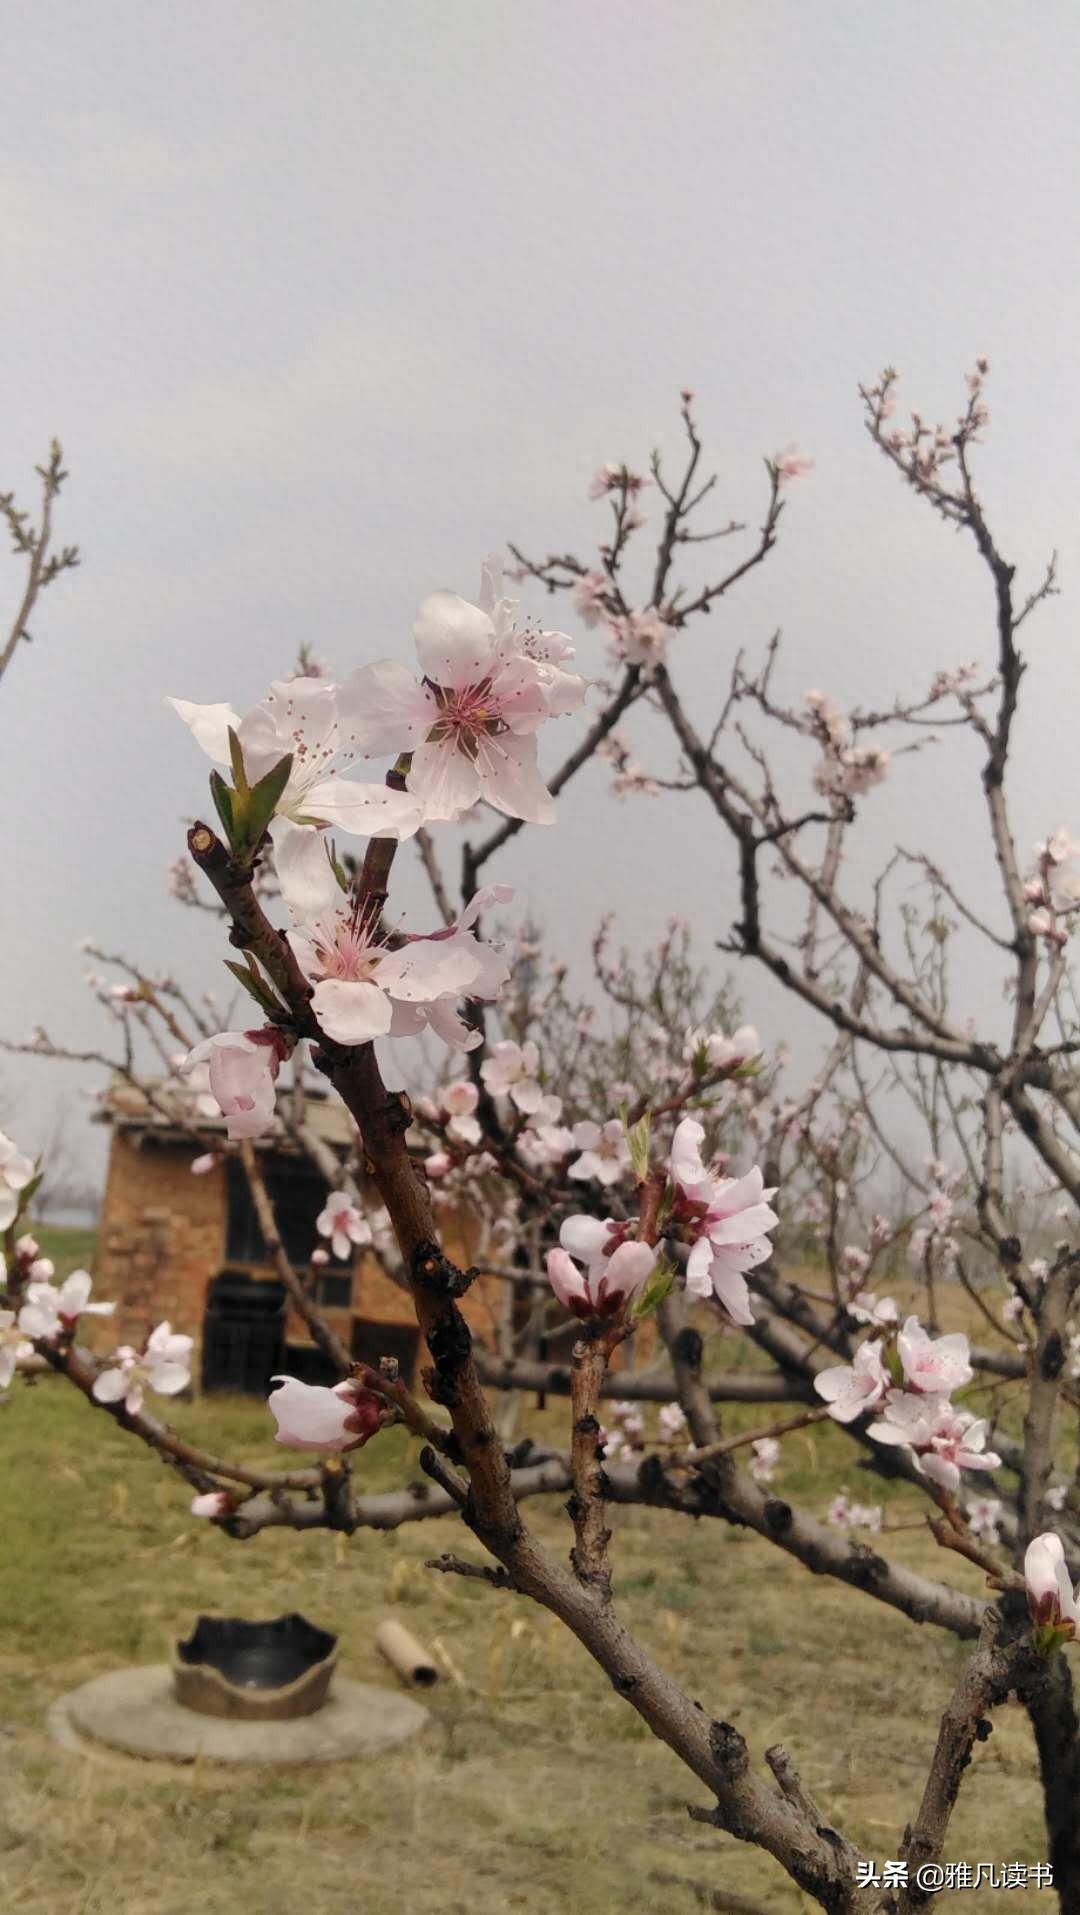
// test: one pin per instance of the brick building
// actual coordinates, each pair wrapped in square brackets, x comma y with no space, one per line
[188,1249]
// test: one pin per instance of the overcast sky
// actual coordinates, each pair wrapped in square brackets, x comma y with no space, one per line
[327,301]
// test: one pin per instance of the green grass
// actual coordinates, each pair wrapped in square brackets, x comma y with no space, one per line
[70,1247]
[535,1788]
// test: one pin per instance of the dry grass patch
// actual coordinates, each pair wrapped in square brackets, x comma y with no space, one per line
[535,1788]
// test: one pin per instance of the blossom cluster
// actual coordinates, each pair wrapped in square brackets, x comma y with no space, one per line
[597,1267]
[162,1365]
[911,1388]
[843,1513]
[628,1427]
[1054,891]
[601,1265]
[468,723]
[49,1313]
[845,770]
[462,732]
[933,1240]
[629,778]
[725,1221]
[511,1075]
[721,1222]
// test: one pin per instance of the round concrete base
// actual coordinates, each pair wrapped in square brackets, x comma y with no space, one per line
[135,1711]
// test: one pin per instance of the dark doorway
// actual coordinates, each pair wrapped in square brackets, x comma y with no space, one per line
[243,1333]
[308,1364]
[298,1195]
[370,1341]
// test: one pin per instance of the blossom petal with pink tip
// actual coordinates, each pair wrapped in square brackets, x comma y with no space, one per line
[1049,1586]
[585,1237]
[213,1505]
[566,1280]
[242,1070]
[934,1365]
[850,1389]
[628,1268]
[455,641]
[311,1417]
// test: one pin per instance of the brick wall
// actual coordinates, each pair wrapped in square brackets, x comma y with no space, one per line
[162,1237]
[162,1242]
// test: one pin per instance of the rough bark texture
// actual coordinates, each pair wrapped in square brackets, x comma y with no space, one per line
[1048,1696]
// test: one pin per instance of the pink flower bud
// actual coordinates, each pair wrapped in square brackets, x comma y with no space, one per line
[213,1505]
[312,1417]
[614,1271]
[1049,1587]
[242,1067]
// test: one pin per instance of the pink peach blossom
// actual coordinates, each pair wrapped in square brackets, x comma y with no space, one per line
[588,597]
[343,1223]
[851,1388]
[309,720]
[726,1221]
[364,988]
[615,1268]
[511,1071]
[605,1154]
[936,1366]
[312,1417]
[212,1505]
[163,1366]
[1051,1599]
[14,1347]
[470,722]
[49,1312]
[243,1066]
[16,1171]
[942,1439]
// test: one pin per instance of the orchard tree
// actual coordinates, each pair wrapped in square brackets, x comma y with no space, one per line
[640,1155]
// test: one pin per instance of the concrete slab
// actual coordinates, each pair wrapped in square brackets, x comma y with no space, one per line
[135,1711]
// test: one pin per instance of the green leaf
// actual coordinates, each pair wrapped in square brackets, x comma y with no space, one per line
[263,799]
[655,1291]
[337,867]
[223,802]
[1046,1639]
[24,1200]
[29,1192]
[256,986]
[236,758]
[637,1138]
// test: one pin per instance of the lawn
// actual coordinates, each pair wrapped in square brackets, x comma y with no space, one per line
[534,1787]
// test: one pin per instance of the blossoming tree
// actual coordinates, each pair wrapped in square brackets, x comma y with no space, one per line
[604,1152]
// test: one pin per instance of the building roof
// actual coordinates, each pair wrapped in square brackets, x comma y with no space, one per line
[164,1110]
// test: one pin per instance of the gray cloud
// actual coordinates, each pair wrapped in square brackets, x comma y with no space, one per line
[327,304]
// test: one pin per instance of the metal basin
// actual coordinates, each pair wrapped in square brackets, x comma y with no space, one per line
[256,1671]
